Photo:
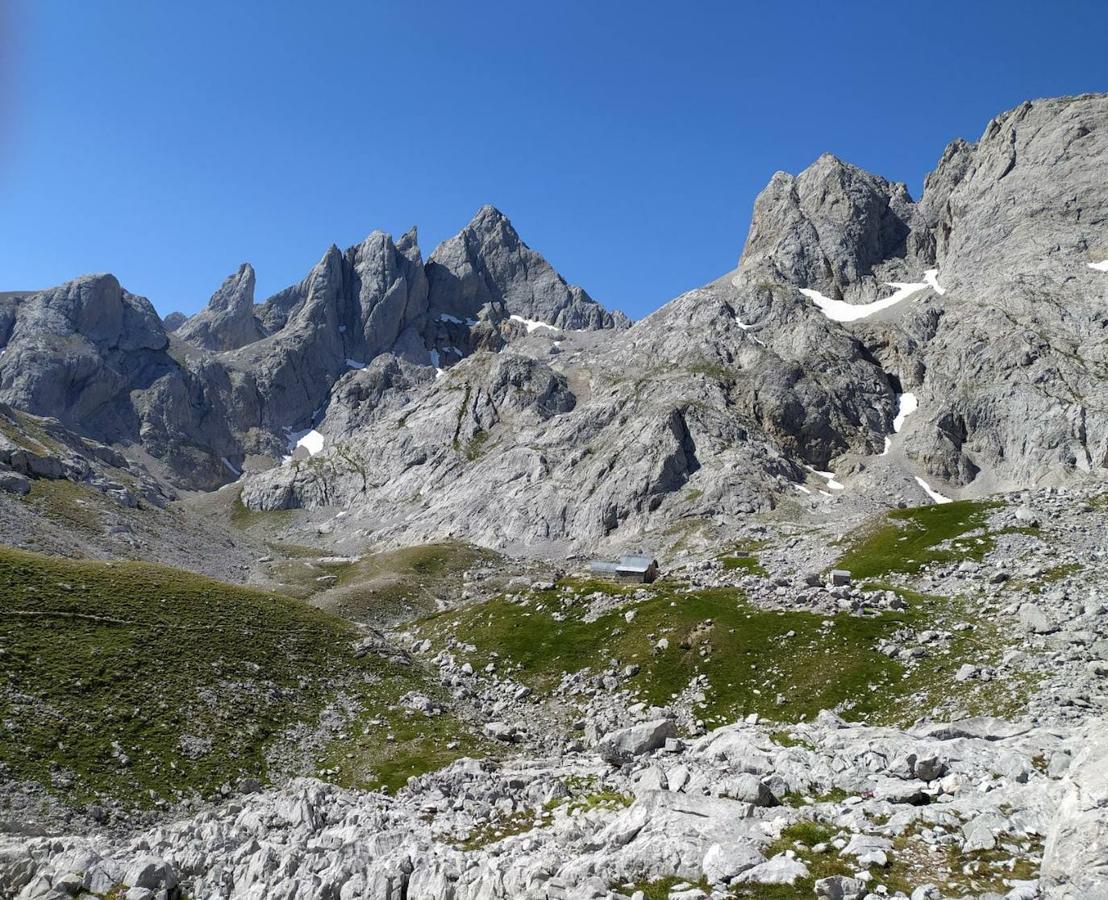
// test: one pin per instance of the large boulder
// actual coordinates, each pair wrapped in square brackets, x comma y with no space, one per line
[622,746]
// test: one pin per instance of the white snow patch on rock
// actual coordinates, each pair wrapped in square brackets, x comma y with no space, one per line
[931,276]
[906,404]
[829,477]
[531,323]
[311,440]
[933,494]
[841,311]
[1100,266]
[453,320]
[231,467]
[354,364]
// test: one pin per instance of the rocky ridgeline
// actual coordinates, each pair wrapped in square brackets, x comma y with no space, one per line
[445,391]
[231,382]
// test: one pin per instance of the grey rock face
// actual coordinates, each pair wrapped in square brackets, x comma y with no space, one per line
[1001,361]
[74,351]
[174,321]
[237,376]
[827,228]
[352,307]
[1075,861]
[488,263]
[1012,360]
[569,450]
[227,322]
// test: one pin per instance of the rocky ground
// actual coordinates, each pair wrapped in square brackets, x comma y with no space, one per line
[934,728]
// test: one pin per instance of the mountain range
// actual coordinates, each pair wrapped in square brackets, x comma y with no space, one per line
[478,394]
[294,599]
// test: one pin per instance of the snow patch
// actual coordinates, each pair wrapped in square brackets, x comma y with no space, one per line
[841,311]
[1100,266]
[453,320]
[802,489]
[906,404]
[532,324]
[931,276]
[354,364]
[832,483]
[933,494]
[311,440]
[231,467]
[436,361]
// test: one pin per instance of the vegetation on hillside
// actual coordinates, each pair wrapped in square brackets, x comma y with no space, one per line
[783,665]
[908,539]
[142,684]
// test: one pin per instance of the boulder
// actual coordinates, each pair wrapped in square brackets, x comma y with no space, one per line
[781,869]
[622,746]
[723,862]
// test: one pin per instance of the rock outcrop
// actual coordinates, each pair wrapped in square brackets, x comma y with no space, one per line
[487,263]
[227,322]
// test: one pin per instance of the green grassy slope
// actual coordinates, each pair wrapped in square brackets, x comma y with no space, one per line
[908,539]
[141,683]
[749,655]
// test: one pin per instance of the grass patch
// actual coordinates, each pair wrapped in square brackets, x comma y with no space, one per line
[398,585]
[660,888]
[387,744]
[910,539]
[807,833]
[956,873]
[784,739]
[912,862]
[502,827]
[246,519]
[747,563]
[1048,577]
[66,502]
[785,666]
[474,447]
[141,683]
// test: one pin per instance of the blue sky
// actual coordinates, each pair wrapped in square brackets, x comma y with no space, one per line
[168,142]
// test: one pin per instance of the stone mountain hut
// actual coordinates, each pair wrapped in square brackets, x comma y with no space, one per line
[643,569]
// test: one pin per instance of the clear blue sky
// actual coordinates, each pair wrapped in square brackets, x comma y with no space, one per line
[168,142]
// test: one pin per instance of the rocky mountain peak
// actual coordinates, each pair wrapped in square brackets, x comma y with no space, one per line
[174,321]
[827,228]
[408,244]
[1027,191]
[227,322]
[487,262]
